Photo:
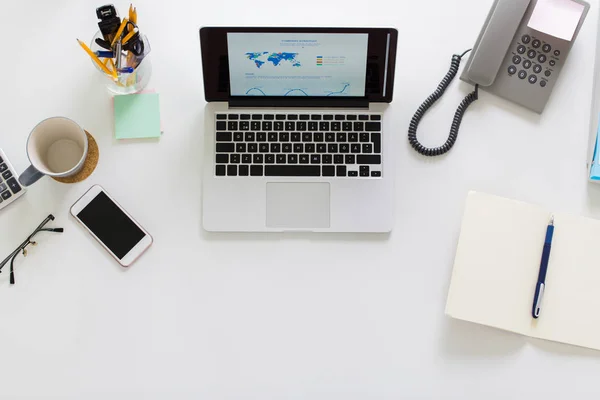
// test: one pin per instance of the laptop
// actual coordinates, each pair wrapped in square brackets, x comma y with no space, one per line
[295,131]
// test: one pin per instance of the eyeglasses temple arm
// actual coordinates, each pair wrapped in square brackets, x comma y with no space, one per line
[26,242]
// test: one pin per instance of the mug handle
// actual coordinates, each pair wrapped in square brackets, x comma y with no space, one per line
[30,176]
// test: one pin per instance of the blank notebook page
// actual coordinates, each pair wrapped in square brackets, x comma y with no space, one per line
[571,307]
[497,262]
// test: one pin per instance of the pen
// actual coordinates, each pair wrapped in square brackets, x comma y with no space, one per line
[105,54]
[94,57]
[540,286]
[126,70]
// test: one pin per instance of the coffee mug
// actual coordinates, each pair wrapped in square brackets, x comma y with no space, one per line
[56,147]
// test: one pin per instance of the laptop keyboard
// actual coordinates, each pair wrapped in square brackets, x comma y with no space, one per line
[300,145]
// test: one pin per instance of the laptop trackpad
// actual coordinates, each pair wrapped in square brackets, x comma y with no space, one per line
[298,205]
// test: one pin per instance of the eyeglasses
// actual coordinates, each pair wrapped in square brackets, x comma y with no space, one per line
[23,247]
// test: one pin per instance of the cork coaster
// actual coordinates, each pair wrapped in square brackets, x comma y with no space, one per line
[90,163]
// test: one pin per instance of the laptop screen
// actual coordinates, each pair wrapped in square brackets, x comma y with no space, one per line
[297,64]
[313,67]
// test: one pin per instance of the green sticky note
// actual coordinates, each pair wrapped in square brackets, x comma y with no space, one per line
[137,116]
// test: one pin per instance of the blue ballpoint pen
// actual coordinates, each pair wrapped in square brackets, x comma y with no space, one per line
[105,54]
[541,283]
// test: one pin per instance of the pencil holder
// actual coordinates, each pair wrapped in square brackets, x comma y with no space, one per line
[136,70]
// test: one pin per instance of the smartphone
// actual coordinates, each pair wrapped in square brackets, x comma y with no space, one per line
[111,225]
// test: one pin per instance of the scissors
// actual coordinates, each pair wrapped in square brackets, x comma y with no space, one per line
[135,44]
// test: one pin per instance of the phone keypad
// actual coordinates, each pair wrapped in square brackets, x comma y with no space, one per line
[533,52]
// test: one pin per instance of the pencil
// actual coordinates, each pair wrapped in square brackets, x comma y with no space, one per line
[119,32]
[94,57]
[114,69]
[134,19]
[129,35]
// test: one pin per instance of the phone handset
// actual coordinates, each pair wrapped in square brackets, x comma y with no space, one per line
[496,39]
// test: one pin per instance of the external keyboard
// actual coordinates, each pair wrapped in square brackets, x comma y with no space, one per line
[10,189]
[298,145]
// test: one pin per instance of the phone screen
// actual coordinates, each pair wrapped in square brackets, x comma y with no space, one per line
[111,225]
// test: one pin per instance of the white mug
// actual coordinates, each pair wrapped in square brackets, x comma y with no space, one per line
[56,147]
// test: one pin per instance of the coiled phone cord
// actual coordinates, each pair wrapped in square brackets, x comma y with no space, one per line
[458,116]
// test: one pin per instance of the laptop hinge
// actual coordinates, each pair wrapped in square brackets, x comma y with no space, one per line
[298,102]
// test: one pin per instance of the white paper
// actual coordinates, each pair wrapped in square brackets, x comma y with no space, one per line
[572,298]
[497,262]
[558,18]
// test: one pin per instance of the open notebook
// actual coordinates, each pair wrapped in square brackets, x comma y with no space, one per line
[497,264]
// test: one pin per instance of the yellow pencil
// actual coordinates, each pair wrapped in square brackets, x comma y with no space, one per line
[131,17]
[94,57]
[129,35]
[113,69]
[134,19]
[119,32]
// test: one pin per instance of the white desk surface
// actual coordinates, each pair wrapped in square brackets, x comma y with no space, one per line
[246,316]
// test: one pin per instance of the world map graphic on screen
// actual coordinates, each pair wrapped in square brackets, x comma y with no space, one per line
[261,58]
